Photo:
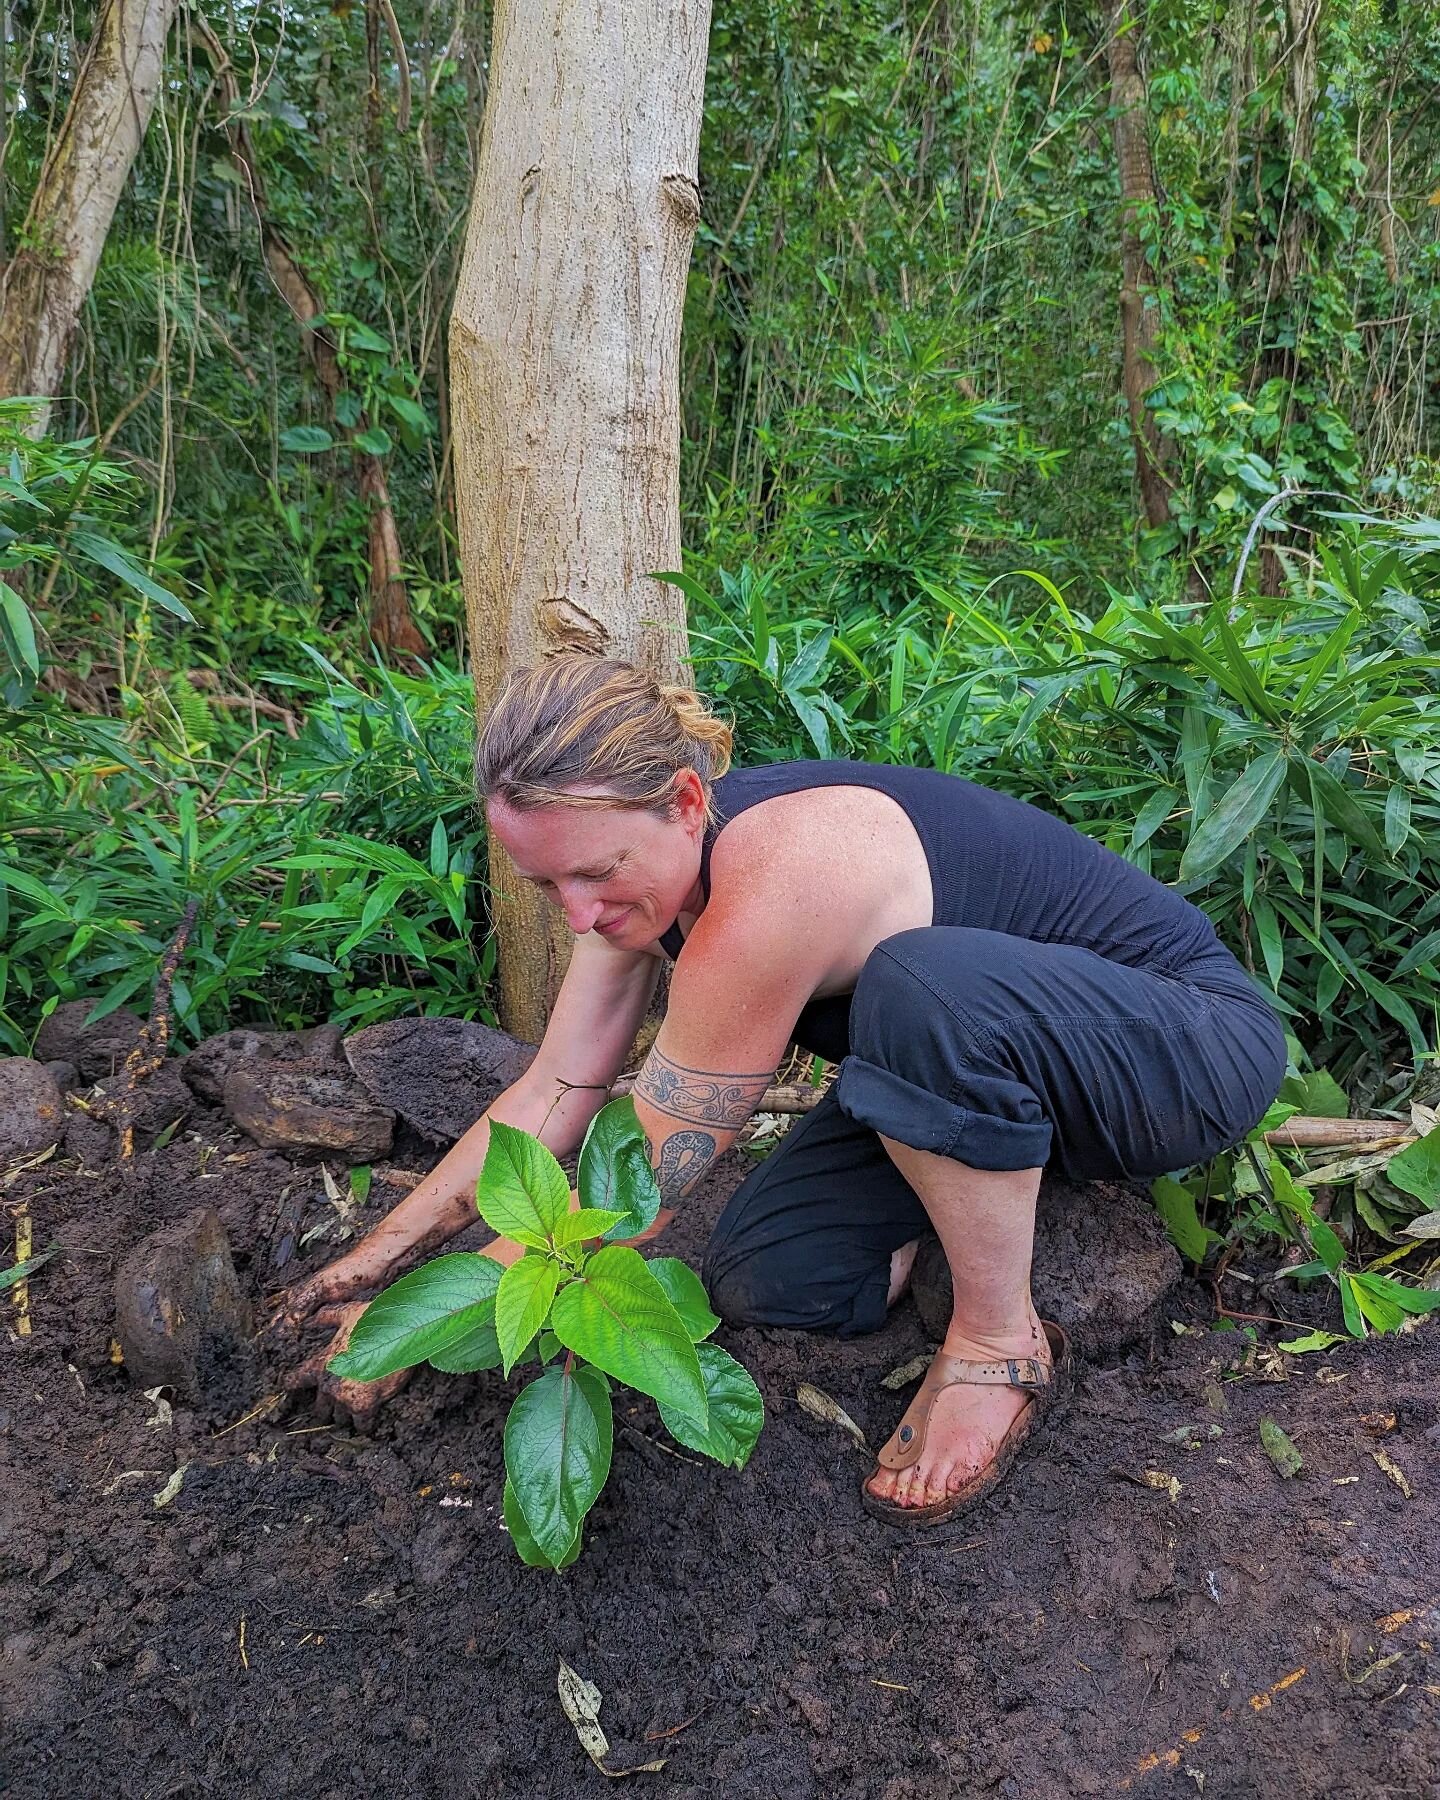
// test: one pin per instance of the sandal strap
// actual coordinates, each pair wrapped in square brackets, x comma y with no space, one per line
[908,1442]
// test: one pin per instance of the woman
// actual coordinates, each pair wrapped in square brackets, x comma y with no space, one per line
[1000,992]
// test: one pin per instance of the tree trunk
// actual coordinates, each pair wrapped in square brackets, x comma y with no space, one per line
[47,280]
[1139,315]
[391,625]
[564,365]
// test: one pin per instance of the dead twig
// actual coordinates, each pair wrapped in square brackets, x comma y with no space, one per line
[154,1038]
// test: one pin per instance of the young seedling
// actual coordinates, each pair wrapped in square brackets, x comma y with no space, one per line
[591,1310]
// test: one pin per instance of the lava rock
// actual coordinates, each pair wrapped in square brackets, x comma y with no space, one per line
[96,1050]
[182,1319]
[32,1110]
[439,1075]
[210,1063]
[1103,1266]
[159,1099]
[300,1107]
[67,1076]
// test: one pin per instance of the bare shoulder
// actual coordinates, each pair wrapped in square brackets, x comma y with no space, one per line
[840,848]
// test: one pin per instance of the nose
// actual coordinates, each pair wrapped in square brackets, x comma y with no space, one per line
[580,915]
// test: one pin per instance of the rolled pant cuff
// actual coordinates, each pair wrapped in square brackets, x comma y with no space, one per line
[896,1108]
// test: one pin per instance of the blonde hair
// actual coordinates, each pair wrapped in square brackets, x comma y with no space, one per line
[594,722]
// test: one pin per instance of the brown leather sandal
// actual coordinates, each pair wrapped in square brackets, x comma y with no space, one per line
[1046,1384]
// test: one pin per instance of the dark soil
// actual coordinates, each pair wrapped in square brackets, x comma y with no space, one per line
[322,1615]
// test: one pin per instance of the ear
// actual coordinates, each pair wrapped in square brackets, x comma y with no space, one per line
[688,802]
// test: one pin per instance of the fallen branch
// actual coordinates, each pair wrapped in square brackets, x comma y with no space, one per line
[154,1038]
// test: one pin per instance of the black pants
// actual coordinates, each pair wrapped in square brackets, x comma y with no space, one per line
[1003,1054]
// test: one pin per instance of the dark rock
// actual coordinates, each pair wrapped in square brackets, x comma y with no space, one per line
[1103,1265]
[210,1063]
[96,1050]
[157,1100]
[89,1140]
[438,1074]
[32,1111]
[181,1317]
[67,1076]
[299,1107]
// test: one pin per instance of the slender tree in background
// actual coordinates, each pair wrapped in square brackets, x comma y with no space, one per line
[391,624]
[74,200]
[1139,313]
[565,361]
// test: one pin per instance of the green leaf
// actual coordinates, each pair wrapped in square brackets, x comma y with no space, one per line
[615,1170]
[1397,818]
[737,1411]
[21,1271]
[375,440]
[1176,1206]
[558,1442]
[1354,1319]
[423,1313]
[687,1295]
[1377,1306]
[439,849]
[1317,1095]
[585,1222]
[617,1316]
[1234,817]
[1312,1340]
[306,440]
[520,1535]
[108,554]
[1342,809]
[1396,1293]
[522,1304]
[1416,1168]
[21,627]
[523,1192]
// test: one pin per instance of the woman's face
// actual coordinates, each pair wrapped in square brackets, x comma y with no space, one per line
[618,871]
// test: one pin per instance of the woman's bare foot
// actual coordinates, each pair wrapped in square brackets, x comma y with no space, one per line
[967,1424]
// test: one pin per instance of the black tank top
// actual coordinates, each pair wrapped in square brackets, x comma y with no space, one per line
[996,864]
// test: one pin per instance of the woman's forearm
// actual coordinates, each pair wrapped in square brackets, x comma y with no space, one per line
[444,1202]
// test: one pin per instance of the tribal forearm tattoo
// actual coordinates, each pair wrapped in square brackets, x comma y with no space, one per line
[700,1096]
[695,1098]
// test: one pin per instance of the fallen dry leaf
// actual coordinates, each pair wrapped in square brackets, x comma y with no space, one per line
[1395,1472]
[1280,1450]
[819,1405]
[907,1372]
[171,1487]
[581,1701]
[1166,1484]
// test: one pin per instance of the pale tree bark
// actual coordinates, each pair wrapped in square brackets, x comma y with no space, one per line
[392,625]
[48,278]
[565,359]
[1139,313]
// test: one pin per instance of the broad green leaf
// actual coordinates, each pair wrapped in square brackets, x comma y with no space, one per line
[523,1192]
[1397,818]
[1152,815]
[585,1222]
[521,1536]
[687,1295]
[737,1411]
[374,441]
[558,1442]
[1377,1306]
[306,440]
[1416,1168]
[1354,1318]
[617,1316]
[422,1313]
[615,1170]
[1234,817]
[1176,1206]
[475,1345]
[1396,1293]
[1312,1340]
[522,1304]
[1318,1095]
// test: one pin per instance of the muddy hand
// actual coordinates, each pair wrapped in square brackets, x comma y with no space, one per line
[337,1398]
[359,1273]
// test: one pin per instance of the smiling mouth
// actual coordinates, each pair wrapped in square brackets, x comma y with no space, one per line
[610,924]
